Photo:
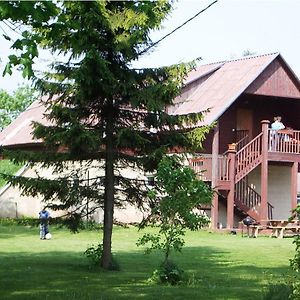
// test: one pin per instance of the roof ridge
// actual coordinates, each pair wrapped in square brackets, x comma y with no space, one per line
[240,58]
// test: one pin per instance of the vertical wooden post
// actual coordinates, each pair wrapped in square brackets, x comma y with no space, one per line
[264,171]
[230,197]
[294,175]
[214,178]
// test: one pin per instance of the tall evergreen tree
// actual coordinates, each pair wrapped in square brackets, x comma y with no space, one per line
[101,107]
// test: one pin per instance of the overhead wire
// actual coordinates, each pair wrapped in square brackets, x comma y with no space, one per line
[178,27]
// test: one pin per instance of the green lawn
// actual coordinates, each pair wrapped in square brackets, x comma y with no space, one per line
[219,266]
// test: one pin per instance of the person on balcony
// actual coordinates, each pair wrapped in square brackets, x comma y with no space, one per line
[275,137]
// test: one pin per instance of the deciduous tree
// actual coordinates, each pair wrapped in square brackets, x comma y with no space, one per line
[12,105]
[175,199]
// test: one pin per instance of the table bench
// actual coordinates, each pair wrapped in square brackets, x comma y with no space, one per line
[280,227]
[255,230]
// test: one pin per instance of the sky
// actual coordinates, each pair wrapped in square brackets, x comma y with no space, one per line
[222,32]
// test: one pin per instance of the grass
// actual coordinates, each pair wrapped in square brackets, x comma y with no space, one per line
[218,266]
[7,167]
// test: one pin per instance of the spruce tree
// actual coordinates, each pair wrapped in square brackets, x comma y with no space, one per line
[101,108]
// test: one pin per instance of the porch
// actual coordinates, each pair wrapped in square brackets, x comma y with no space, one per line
[230,174]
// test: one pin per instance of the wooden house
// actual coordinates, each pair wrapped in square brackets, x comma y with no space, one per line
[251,175]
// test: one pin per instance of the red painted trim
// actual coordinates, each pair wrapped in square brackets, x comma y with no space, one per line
[230,198]
[214,175]
[264,171]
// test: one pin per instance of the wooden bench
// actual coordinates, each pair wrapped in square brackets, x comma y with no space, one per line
[278,231]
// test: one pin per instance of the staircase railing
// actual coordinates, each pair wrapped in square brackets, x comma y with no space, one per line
[270,211]
[246,194]
[284,141]
[250,200]
[248,158]
[242,138]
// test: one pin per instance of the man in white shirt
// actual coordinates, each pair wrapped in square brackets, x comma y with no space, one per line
[275,136]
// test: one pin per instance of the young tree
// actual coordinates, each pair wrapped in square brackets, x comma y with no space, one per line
[101,107]
[175,201]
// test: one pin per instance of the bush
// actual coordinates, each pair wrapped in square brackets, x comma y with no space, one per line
[29,221]
[278,292]
[94,254]
[24,221]
[296,289]
[168,272]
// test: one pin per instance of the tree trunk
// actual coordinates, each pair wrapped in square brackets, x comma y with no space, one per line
[109,194]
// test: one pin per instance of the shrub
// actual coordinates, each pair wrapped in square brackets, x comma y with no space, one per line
[168,272]
[24,221]
[295,262]
[278,292]
[94,254]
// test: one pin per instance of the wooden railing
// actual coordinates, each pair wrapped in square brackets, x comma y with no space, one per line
[241,139]
[251,199]
[248,158]
[246,194]
[270,211]
[284,141]
[240,134]
[202,165]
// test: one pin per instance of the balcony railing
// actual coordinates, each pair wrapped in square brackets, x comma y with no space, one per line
[247,158]
[284,141]
[202,165]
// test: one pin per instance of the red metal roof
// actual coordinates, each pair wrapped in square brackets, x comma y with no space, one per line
[214,86]
[228,81]
[19,132]
[202,71]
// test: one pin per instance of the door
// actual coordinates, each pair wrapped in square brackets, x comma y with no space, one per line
[244,123]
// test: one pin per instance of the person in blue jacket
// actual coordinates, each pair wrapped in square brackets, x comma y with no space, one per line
[44,216]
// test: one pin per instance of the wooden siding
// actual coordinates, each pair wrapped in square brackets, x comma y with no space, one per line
[227,128]
[227,132]
[265,108]
[275,81]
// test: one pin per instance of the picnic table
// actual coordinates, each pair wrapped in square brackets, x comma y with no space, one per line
[279,227]
[252,229]
[255,229]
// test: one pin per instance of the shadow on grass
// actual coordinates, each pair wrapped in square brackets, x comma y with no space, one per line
[65,275]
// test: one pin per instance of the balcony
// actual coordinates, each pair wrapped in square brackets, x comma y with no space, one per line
[283,145]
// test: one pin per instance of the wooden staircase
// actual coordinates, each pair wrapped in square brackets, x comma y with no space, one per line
[246,199]
[248,158]
[232,168]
